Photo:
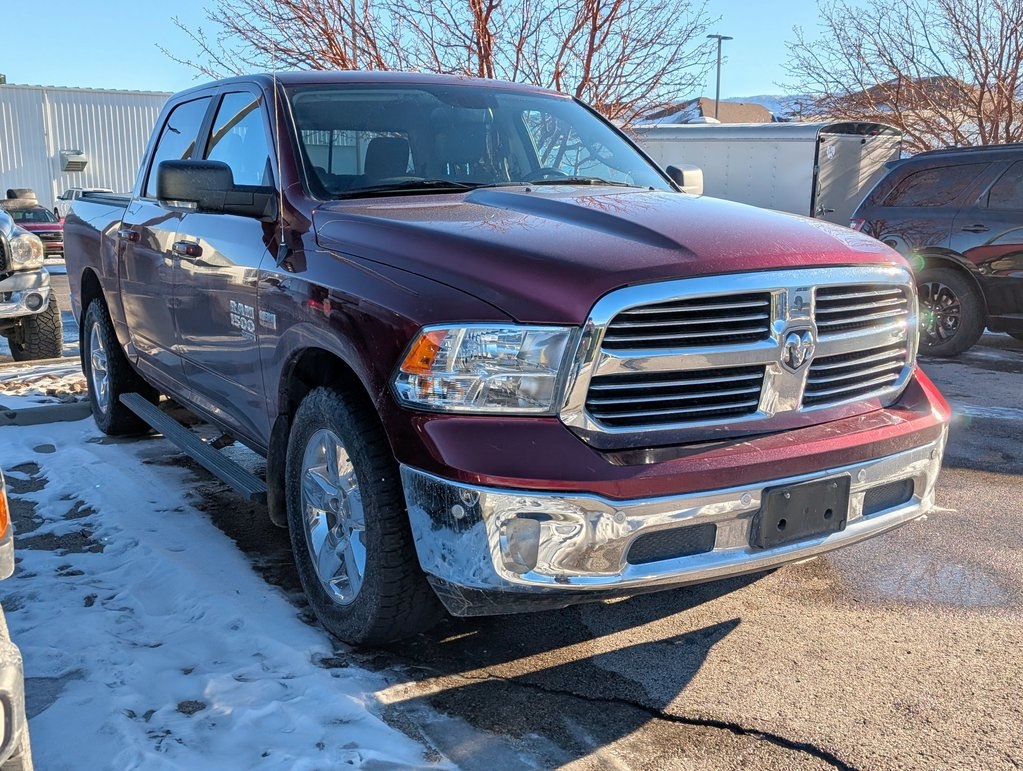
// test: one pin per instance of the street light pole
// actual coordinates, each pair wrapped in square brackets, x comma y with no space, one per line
[717,91]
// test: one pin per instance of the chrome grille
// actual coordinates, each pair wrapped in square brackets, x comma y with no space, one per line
[847,308]
[712,357]
[740,318]
[675,397]
[857,374]
[49,235]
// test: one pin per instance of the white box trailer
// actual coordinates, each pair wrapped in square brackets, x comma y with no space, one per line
[815,169]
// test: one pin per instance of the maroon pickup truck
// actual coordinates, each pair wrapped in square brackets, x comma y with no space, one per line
[494,359]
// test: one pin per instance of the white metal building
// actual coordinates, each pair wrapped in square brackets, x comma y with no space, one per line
[53,138]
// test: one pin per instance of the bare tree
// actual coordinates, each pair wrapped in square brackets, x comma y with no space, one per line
[945,72]
[625,57]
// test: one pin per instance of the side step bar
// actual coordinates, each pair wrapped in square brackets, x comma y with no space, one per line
[249,485]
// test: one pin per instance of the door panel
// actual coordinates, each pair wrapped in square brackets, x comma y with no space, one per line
[146,237]
[989,234]
[218,258]
[217,316]
[147,283]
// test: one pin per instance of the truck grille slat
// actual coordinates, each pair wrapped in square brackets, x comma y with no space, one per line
[736,319]
[680,339]
[693,321]
[850,308]
[816,379]
[674,397]
[870,358]
[656,398]
[865,387]
[849,375]
[674,416]
[831,311]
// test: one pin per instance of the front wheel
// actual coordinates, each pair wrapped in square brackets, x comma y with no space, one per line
[109,374]
[42,336]
[951,312]
[348,524]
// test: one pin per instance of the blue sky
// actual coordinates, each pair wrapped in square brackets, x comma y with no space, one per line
[114,44]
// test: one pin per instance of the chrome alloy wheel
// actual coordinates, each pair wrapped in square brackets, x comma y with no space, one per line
[941,312]
[99,369]
[333,515]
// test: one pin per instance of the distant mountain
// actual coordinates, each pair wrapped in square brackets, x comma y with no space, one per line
[781,105]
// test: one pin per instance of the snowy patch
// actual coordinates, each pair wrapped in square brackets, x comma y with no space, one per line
[149,642]
[32,384]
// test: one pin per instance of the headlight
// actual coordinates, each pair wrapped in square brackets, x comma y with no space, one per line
[483,368]
[25,252]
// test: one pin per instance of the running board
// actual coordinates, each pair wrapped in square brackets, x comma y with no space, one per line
[246,483]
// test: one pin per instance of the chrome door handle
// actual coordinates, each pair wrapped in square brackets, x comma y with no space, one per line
[976,229]
[187,249]
[127,234]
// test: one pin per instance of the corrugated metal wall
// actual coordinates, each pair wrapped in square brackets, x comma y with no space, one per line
[37,122]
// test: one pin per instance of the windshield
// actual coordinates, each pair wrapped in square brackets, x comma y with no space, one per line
[33,215]
[379,139]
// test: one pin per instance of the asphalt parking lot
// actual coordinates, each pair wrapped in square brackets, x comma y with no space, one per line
[898,653]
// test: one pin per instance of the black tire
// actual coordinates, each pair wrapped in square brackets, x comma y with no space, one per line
[42,335]
[394,600]
[112,417]
[951,312]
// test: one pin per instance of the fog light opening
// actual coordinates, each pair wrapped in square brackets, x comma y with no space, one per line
[520,544]
[34,301]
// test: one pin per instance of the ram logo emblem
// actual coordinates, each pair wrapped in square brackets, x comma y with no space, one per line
[798,349]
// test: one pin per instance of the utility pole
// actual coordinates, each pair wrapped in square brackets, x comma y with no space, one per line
[717,91]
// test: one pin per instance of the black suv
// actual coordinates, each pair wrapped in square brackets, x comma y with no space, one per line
[957,215]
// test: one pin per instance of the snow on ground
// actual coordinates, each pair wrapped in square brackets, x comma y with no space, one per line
[149,632]
[31,384]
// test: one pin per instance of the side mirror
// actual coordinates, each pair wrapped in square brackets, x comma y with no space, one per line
[689,178]
[208,186]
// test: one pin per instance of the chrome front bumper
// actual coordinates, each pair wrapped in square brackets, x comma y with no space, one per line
[479,544]
[18,287]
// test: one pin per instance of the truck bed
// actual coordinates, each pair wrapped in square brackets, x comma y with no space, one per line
[91,229]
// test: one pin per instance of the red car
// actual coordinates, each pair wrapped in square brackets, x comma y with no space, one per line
[40,220]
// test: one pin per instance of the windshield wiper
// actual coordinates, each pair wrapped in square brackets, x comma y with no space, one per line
[579,181]
[411,186]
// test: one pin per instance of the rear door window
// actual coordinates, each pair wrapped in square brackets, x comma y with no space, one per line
[936,186]
[177,139]
[1007,193]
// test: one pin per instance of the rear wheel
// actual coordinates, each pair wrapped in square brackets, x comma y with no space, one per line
[348,524]
[951,312]
[41,337]
[109,374]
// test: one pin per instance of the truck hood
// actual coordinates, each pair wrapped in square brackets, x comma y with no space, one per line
[547,254]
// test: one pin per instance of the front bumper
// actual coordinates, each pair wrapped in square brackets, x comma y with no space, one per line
[24,294]
[491,550]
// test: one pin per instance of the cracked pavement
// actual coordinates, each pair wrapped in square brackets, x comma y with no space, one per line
[898,653]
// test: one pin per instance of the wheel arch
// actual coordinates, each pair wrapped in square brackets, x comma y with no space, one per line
[305,369]
[947,259]
[90,289]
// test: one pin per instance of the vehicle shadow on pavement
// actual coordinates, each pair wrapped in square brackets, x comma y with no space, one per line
[557,674]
